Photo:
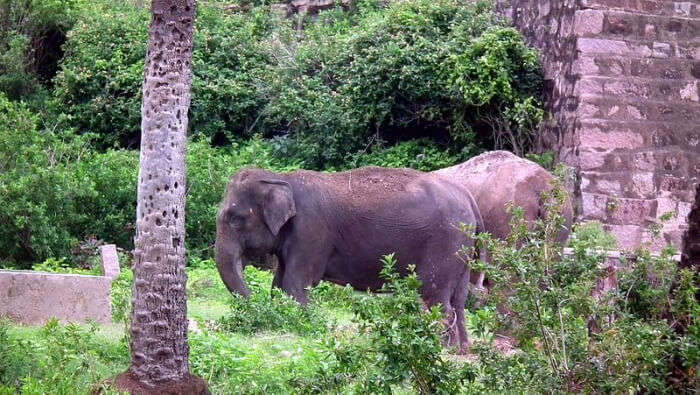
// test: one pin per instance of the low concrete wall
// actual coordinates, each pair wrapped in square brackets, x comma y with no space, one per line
[32,298]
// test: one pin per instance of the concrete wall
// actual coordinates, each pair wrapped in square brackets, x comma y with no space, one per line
[622,84]
[32,298]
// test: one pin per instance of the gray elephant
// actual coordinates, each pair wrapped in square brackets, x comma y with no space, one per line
[337,226]
[497,178]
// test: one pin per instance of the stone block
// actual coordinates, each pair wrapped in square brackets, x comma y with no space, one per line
[618,24]
[593,206]
[644,161]
[666,205]
[632,211]
[590,159]
[677,187]
[643,184]
[662,50]
[690,92]
[597,138]
[110,261]
[589,46]
[684,210]
[33,297]
[588,22]
[612,187]
[628,237]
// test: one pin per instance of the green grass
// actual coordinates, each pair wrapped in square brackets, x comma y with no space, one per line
[263,361]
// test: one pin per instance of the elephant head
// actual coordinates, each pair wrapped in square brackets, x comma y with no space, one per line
[256,207]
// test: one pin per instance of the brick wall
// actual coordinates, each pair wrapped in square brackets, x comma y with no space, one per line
[623,86]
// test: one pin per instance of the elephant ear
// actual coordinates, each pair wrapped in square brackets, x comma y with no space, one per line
[279,205]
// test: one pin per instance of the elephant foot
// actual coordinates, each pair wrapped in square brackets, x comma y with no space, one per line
[450,336]
[464,348]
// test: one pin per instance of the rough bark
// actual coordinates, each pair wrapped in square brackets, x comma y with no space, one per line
[159,348]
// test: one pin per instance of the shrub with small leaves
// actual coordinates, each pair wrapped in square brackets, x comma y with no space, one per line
[271,310]
[402,344]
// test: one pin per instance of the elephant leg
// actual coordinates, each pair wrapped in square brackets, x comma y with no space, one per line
[295,288]
[300,271]
[480,281]
[459,299]
[441,296]
[279,274]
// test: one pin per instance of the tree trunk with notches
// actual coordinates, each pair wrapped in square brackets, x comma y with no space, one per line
[159,348]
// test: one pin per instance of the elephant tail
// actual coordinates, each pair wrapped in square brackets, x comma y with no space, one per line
[480,250]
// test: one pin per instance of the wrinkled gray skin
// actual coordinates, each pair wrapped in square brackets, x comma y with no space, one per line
[497,178]
[337,226]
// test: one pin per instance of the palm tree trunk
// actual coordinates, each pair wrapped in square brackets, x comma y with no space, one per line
[159,348]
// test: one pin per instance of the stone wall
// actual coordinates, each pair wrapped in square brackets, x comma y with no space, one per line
[32,298]
[622,85]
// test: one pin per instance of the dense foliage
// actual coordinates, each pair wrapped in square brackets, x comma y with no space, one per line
[383,84]
[639,337]
[442,70]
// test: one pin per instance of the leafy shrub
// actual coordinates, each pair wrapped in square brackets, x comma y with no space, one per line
[15,361]
[99,85]
[60,265]
[120,294]
[60,192]
[380,73]
[497,372]
[230,63]
[271,310]
[616,341]
[406,70]
[30,365]
[38,191]
[422,154]
[31,35]
[15,81]
[402,344]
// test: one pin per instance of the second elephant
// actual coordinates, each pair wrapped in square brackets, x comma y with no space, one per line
[498,178]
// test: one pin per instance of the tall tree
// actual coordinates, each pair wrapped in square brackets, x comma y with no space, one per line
[159,348]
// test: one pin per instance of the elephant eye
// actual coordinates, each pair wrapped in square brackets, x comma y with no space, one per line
[236,218]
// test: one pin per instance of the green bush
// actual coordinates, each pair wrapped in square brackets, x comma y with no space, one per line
[415,69]
[635,337]
[229,64]
[422,154]
[99,85]
[40,195]
[15,81]
[31,35]
[402,345]
[59,192]
[271,310]
[31,364]
[399,72]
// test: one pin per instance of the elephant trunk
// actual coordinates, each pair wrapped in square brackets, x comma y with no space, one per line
[229,261]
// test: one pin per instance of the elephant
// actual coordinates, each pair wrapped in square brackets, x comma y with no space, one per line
[337,226]
[497,178]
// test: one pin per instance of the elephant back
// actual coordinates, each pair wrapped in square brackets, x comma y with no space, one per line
[497,178]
